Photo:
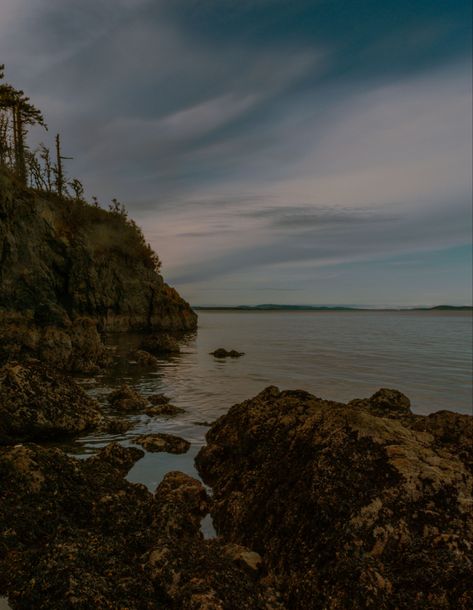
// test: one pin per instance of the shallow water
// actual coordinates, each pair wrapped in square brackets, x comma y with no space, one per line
[335,355]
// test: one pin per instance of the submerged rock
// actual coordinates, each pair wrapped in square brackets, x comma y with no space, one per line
[127,399]
[160,344]
[144,358]
[158,399]
[38,403]
[168,443]
[223,353]
[164,409]
[362,505]
[74,534]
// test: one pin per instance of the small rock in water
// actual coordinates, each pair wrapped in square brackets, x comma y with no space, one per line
[160,344]
[223,353]
[168,443]
[126,398]
[117,425]
[144,358]
[158,399]
[39,403]
[163,409]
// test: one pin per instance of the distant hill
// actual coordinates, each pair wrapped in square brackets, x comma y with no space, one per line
[275,307]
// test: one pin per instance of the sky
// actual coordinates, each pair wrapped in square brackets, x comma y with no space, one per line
[306,152]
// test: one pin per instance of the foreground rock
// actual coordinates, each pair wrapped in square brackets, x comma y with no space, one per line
[168,443]
[223,353]
[38,403]
[75,534]
[353,506]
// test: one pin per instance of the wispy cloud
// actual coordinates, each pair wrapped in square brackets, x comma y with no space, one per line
[263,143]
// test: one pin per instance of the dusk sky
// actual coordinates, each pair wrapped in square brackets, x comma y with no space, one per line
[274,151]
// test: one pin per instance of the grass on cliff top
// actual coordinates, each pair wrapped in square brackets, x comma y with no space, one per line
[104,231]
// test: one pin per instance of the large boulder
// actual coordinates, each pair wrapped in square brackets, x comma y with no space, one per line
[75,534]
[38,403]
[352,506]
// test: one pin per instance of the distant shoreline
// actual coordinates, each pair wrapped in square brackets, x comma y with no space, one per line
[326,308]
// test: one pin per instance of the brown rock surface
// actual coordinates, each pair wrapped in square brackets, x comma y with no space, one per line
[74,535]
[160,344]
[223,353]
[352,506]
[63,261]
[127,399]
[168,443]
[36,402]
[166,410]
[144,358]
[158,399]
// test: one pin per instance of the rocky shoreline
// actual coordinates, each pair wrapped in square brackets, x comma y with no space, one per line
[70,272]
[316,504]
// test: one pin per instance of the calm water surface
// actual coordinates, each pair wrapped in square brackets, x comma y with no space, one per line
[335,355]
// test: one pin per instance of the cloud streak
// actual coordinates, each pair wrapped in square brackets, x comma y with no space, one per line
[254,138]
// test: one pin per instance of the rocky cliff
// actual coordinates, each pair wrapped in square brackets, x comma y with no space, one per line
[68,268]
[359,505]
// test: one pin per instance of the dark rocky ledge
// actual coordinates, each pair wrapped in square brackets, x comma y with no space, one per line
[362,505]
[76,535]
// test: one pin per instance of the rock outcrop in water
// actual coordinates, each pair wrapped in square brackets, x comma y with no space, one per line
[75,534]
[359,505]
[68,269]
[38,403]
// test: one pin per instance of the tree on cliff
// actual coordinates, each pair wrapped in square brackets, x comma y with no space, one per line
[17,114]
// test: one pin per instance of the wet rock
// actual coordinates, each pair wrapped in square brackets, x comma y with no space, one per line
[158,399]
[160,344]
[74,534]
[154,443]
[197,573]
[36,402]
[116,425]
[351,506]
[386,403]
[223,353]
[127,399]
[144,358]
[166,409]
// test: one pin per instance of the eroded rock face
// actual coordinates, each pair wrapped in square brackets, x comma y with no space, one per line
[63,261]
[37,403]
[359,505]
[75,534]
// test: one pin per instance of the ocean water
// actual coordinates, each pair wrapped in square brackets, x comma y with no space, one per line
[334,355]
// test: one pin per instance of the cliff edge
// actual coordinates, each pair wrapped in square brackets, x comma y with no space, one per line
[69,269]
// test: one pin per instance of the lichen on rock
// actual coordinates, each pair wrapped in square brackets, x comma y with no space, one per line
[359,505]
[38,403]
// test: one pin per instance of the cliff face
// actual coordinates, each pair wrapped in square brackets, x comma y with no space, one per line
[65,261]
